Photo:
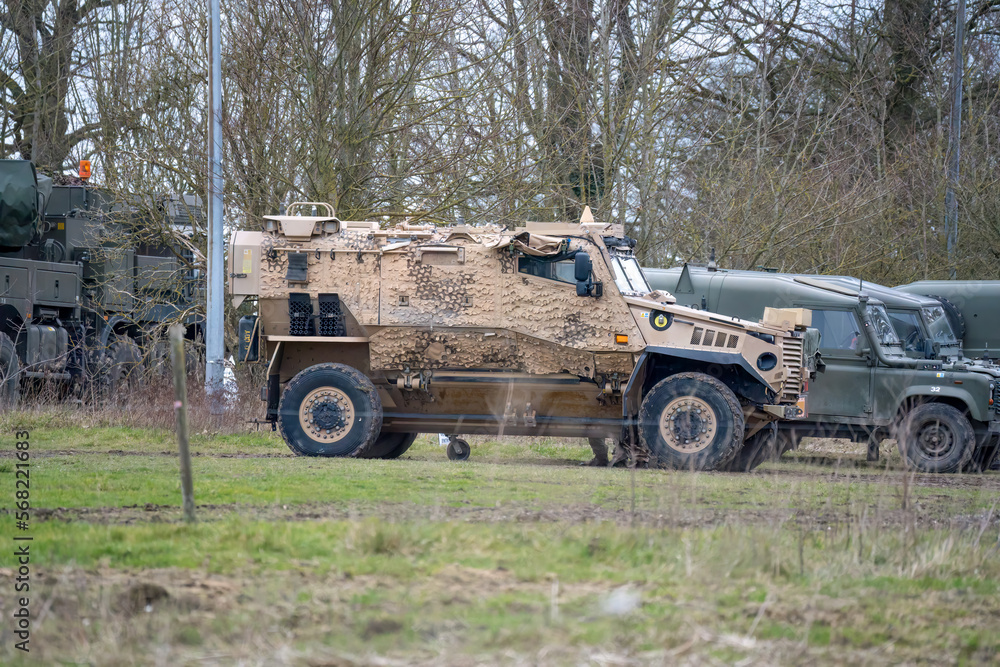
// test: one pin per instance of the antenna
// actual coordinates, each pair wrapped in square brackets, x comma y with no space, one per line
[712,266]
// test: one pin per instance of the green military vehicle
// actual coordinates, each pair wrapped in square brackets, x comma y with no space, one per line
[942,410]
[80,299]
[373,334]
[973,306]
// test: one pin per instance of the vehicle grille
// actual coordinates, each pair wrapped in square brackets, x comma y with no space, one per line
[791,358]
[710,338]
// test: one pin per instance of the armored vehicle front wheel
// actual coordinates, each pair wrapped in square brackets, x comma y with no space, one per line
[935,437]
[458,450]
[691,421]
[390,445]
[330,410]
[10,367]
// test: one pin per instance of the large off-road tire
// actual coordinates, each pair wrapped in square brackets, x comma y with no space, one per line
[121,366]
[763,446]
[10,373]
[330,410]
[935,437]
[691,421]
[390,445]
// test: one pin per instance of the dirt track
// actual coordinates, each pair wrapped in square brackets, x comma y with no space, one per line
[523,513]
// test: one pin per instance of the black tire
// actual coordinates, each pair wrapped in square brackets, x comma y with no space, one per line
[10,373]
[121,365]
[390,445]
[935,437]
[458,450]
[350,412]
[761,447]
[681,410]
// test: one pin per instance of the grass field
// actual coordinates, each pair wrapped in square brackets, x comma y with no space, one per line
[518,556]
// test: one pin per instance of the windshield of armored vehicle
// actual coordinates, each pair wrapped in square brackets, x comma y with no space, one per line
[628,275]
[882,326]
[939,326]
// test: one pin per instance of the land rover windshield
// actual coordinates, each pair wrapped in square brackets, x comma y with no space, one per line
[628,275]
[939,327]
[882,326]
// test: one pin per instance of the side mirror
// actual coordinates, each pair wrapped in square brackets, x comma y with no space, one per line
[581,271]
[583,267]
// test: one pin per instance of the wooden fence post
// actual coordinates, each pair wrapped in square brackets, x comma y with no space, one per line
[180,412]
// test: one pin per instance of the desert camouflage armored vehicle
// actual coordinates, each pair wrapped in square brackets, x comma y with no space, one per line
[373,335]
[941,407]
[79,297]
[972,306]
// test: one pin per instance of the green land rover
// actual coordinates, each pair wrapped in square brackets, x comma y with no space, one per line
[918,388]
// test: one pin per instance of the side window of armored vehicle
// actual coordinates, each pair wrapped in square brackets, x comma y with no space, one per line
[907,327]
[839,330]
[536,266]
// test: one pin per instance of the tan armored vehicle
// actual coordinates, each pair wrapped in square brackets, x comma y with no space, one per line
[372,335]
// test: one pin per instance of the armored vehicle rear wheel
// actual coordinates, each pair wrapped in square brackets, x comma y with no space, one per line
[330,410]
[390,445]
[10,367]
[458,450]
[935,437]
[691,421]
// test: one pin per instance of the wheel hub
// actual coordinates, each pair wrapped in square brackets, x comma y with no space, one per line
[326,414]
[688,424]
[935,439]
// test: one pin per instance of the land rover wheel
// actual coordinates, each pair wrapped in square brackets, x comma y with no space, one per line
[10,371]
[330,410]
[935,437]
[691,421]
[390,445]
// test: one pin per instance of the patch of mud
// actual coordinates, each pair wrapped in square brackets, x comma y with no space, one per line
[49,453]
[516,512]
[989,481]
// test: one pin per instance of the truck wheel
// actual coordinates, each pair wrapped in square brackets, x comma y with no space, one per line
[761,447]
[390,445]
[691,421]
[10,368]
[121,364]
[935,437]
[330,410]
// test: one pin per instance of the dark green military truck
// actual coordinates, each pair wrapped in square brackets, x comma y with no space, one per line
[81,294]
[941,409]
